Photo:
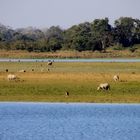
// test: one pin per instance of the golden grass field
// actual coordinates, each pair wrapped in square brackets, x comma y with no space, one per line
[71,54]
[79,79]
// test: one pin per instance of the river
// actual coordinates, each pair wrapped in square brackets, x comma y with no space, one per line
[73,60]
[69,121]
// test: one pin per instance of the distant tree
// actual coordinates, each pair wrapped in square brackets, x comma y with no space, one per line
[77,36]
[54,37]
[31,33]
[97,35]
[101,30]
[55,32]
[54,44]
[126,31]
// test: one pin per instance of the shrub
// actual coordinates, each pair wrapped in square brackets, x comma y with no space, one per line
[118,48]
[133,49]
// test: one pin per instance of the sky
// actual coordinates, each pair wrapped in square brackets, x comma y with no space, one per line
[64,13]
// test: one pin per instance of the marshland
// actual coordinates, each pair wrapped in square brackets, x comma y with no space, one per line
[49,83]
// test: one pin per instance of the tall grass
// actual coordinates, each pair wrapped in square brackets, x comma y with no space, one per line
[109,53]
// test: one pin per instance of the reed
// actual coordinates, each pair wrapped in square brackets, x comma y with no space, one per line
[71,54]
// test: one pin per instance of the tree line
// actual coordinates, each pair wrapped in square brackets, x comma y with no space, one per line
[96,35]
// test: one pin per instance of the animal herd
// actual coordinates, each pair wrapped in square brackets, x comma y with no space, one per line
[13,77]
[106,86]
[102,86]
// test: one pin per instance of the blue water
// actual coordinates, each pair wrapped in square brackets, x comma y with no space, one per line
[69,121]
[73,60]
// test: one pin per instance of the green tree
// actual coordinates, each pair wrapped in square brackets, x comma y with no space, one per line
[101,30]
[125,31]
[77,36]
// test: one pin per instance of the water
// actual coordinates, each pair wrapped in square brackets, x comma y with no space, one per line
[69,121]
[73,60]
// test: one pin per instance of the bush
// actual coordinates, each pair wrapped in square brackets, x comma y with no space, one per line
[118,48]
[133,49]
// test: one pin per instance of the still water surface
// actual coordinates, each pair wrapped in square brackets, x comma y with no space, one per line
[69,121]
[73,60]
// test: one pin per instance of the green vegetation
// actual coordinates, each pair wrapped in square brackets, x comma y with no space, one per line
[97,35]
[79,79]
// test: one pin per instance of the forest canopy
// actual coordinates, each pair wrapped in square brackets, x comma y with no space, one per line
[95,35]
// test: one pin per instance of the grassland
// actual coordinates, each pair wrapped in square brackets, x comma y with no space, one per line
[80,79]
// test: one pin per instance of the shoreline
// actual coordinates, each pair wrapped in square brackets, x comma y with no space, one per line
[73,60]
[63,103]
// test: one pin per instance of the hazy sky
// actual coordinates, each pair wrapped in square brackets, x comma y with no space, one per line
[65,13]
